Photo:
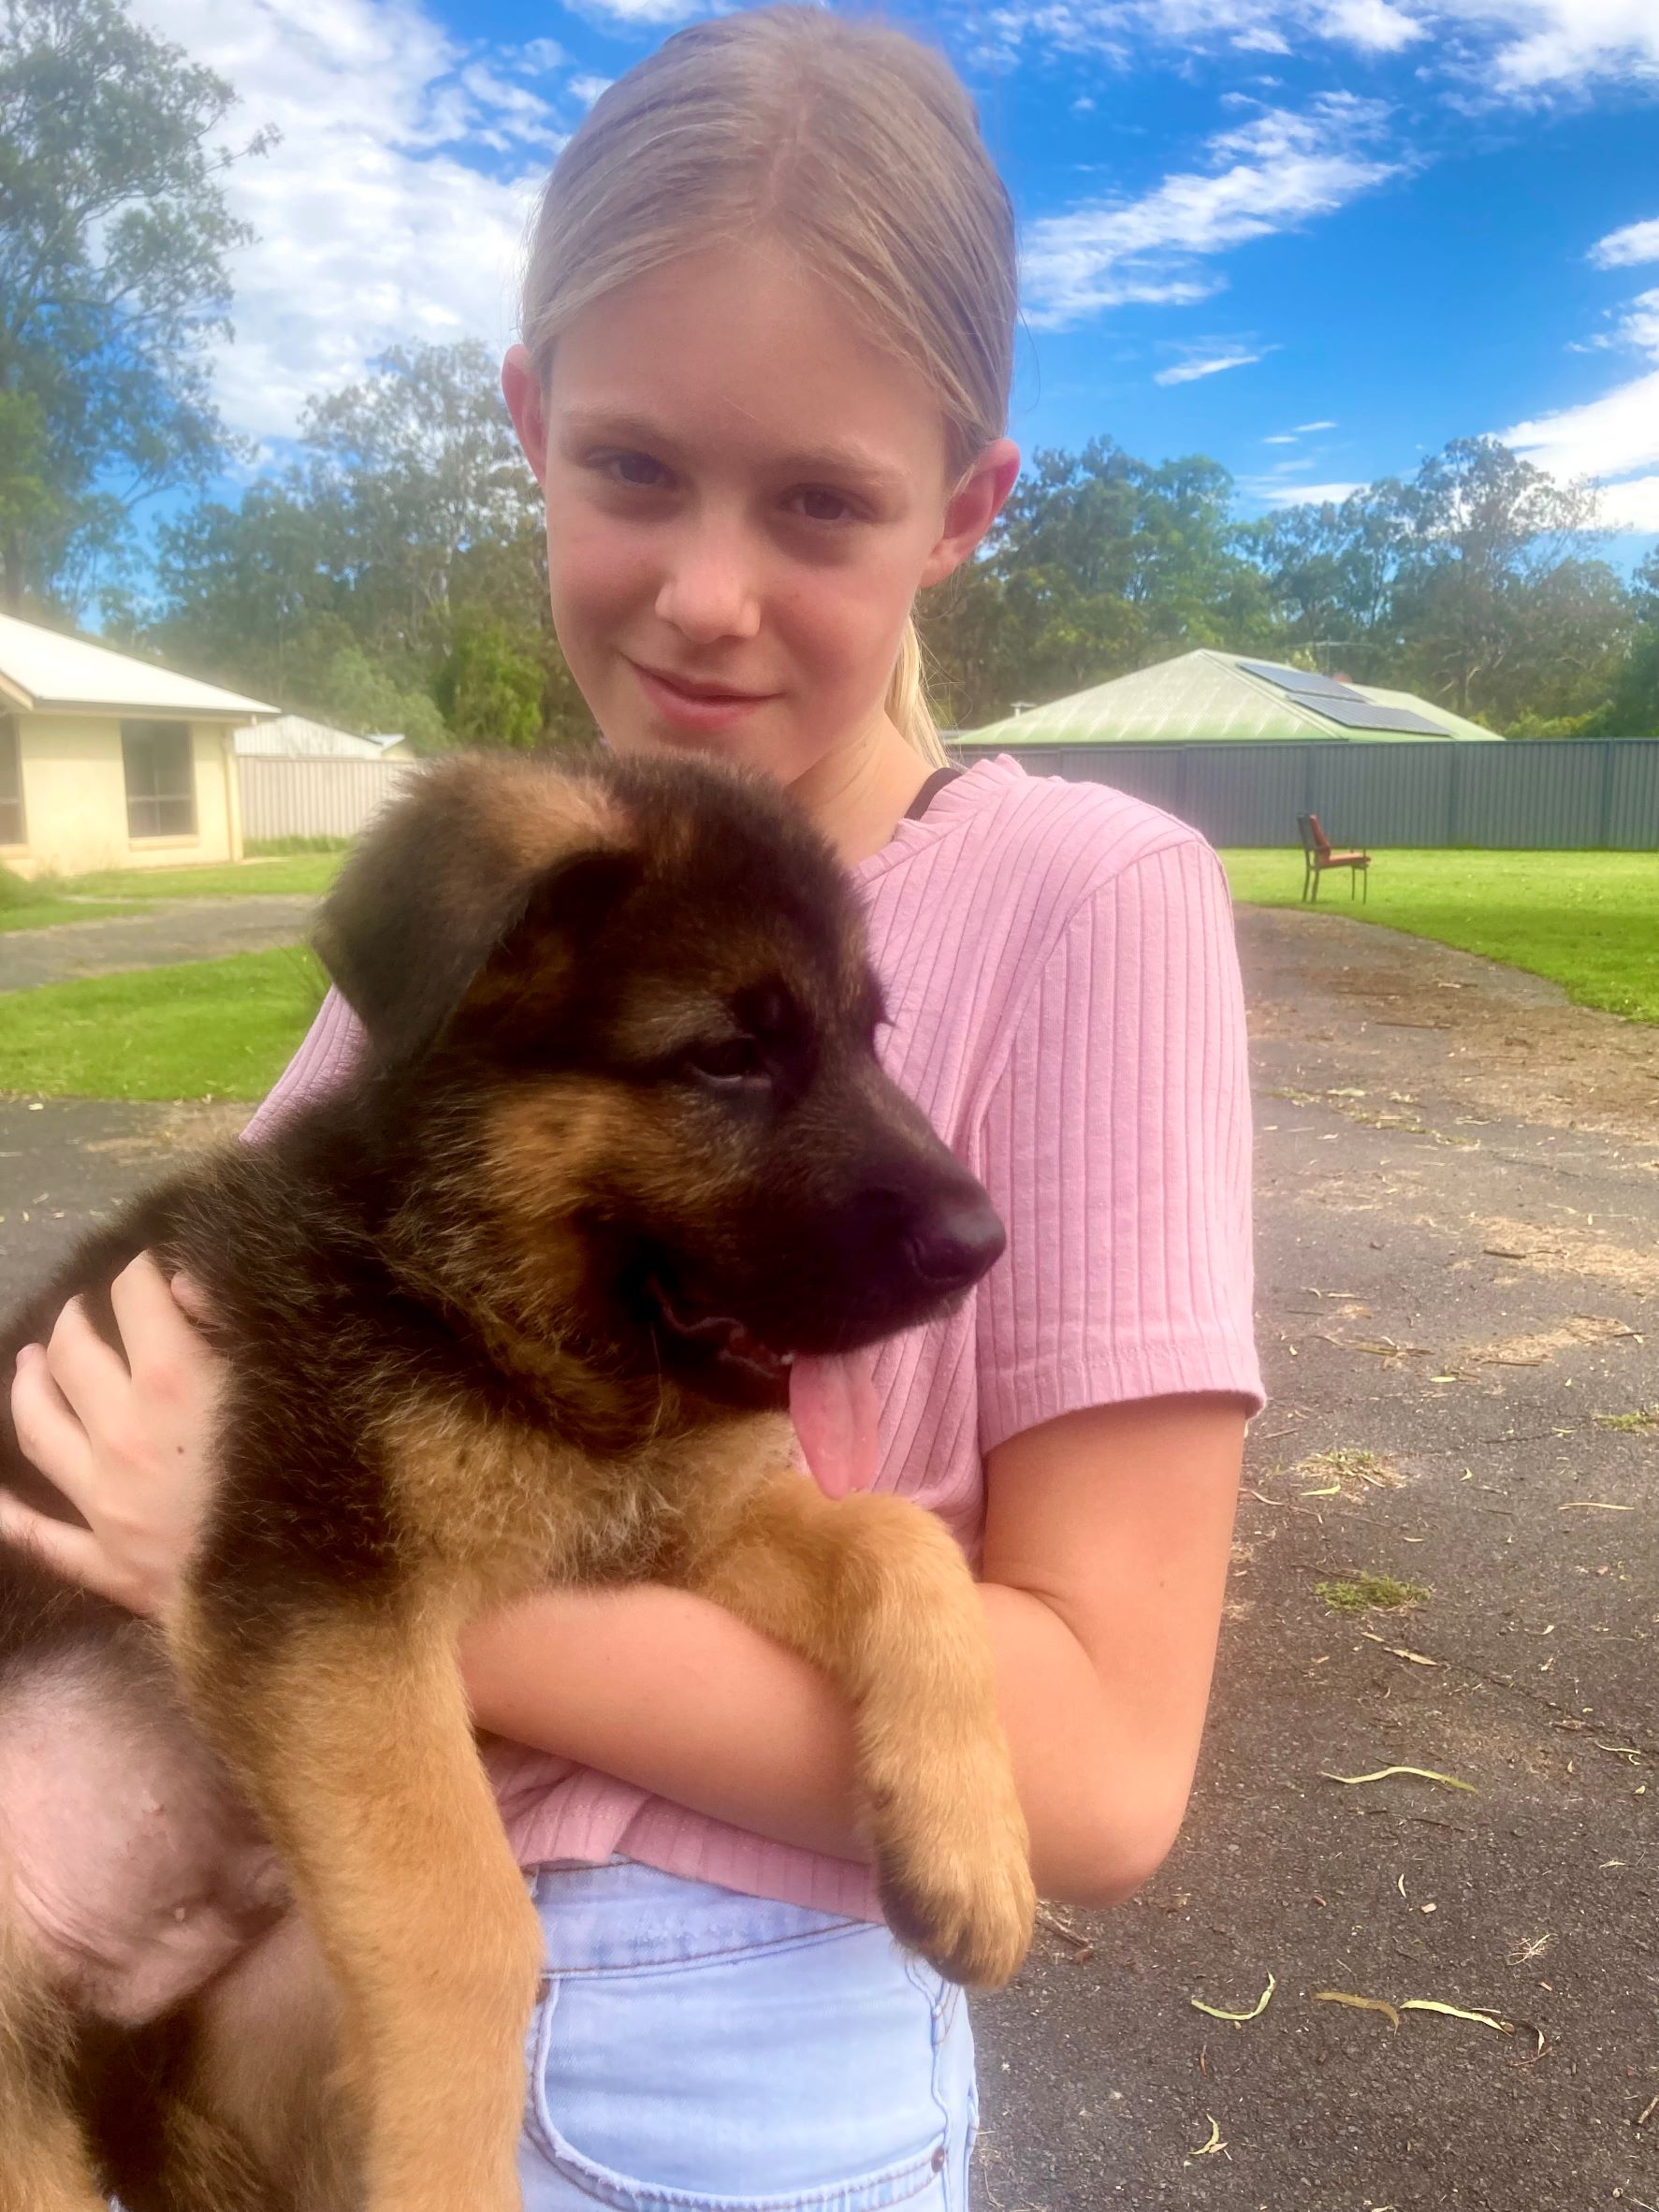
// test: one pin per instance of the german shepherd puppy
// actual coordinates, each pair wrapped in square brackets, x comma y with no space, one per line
[513,1308]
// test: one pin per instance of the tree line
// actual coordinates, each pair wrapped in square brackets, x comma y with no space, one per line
[391,574]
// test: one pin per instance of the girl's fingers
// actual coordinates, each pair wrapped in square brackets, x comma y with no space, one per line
[91,1373]
[73,1553]
[154,1329]
[52,1438]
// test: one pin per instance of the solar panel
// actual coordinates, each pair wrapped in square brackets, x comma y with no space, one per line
[1360,714]
[1299,679]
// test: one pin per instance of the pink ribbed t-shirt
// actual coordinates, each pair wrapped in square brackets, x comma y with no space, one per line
[1060,968]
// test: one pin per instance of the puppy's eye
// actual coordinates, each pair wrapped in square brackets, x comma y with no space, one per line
[727,1060]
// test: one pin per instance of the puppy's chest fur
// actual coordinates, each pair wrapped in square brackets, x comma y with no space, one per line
[498,1505]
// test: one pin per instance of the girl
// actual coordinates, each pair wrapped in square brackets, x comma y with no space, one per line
[767,325]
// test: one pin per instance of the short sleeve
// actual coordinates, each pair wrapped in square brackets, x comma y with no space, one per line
[332,1047]
[1115,1144]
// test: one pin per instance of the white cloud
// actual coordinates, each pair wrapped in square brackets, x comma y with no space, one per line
[371,225]
[1564,45]
[1633,506]
[1211,365]
[588,89]
[1305,430]
[1270,174]
[1610,438]
[634,12]
[1374,26]
[1620,248]
[1522,50]
[1306,495]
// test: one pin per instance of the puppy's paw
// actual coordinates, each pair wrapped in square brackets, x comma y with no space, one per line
[960,1891]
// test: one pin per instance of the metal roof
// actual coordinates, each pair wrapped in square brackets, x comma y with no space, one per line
[295,736]
[43,672]
[1205,697]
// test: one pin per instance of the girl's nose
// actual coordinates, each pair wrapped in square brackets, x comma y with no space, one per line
[710,591]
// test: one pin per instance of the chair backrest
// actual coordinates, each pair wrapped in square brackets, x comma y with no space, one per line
[1321,842]
[1312,836]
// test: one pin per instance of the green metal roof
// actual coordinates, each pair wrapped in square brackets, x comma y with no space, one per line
[1202,697]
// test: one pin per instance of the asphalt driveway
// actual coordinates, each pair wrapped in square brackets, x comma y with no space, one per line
[168,931]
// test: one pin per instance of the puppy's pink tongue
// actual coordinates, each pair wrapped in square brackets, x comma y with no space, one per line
[833,1406]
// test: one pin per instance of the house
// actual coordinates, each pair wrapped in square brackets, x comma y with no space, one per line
[1207,697]
[296,738]
[108,762]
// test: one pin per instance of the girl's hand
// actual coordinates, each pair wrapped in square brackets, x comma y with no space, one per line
[127,1441]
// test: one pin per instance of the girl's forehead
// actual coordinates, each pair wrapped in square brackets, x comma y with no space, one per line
[742,350]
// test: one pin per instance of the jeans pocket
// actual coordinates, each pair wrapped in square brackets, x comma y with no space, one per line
[797,2077]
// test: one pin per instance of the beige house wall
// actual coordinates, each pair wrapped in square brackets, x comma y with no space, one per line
[75,800]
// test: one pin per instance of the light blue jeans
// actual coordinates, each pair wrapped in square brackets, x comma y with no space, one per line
[695,2050]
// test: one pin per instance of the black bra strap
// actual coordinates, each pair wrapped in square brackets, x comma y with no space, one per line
[929,792]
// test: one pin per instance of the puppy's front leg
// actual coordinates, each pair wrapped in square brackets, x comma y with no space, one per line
[352,1736]
[874,1591]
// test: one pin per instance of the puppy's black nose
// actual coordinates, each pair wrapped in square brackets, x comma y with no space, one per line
[960,1239]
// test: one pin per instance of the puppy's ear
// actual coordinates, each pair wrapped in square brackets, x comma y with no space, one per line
[450,872]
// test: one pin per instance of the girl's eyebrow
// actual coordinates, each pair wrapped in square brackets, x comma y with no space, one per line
[842,461]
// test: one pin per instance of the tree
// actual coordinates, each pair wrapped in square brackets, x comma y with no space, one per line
[489,689]
[114,235]
[1098,563]
[1489,534]
[1473,583]
[1633,709]
[394,575]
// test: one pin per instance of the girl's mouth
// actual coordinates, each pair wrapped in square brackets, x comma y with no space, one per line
[693,705]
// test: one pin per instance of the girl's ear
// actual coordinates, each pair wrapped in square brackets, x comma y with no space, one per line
[521,387]
[973,507]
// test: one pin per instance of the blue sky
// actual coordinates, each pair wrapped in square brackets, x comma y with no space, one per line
[1313,237]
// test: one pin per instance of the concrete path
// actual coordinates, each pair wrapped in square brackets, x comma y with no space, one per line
[170,930]
[1458,1271]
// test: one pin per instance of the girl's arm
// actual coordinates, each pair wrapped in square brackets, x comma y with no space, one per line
[1107,1541]
[1106,1548]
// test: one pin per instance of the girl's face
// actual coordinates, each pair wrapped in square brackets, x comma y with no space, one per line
[743,495]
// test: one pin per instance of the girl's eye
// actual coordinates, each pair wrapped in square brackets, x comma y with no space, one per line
[727,1060]
[818,503]
[636,469]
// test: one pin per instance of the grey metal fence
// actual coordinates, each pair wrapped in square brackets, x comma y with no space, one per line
[1572,794]
[313,796]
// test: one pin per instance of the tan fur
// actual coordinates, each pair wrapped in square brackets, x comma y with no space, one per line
[357,1749]
[43,2163]
[875,1591]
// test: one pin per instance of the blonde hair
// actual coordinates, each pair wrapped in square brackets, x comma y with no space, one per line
[856,147]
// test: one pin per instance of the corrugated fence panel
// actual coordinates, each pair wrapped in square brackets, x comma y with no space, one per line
[1533,794]
[1226,785]
[315,797]
[1381,795]
[1565,793]
[1633,793]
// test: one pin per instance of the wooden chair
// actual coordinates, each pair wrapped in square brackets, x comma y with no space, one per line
[1317,856]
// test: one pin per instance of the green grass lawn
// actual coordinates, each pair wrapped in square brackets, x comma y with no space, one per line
[203,1029]
[309,874]
[1589,921]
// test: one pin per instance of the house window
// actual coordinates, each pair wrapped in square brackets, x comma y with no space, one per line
[12,784]
[160,780]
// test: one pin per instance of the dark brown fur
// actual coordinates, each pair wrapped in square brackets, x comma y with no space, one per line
[477,1309]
